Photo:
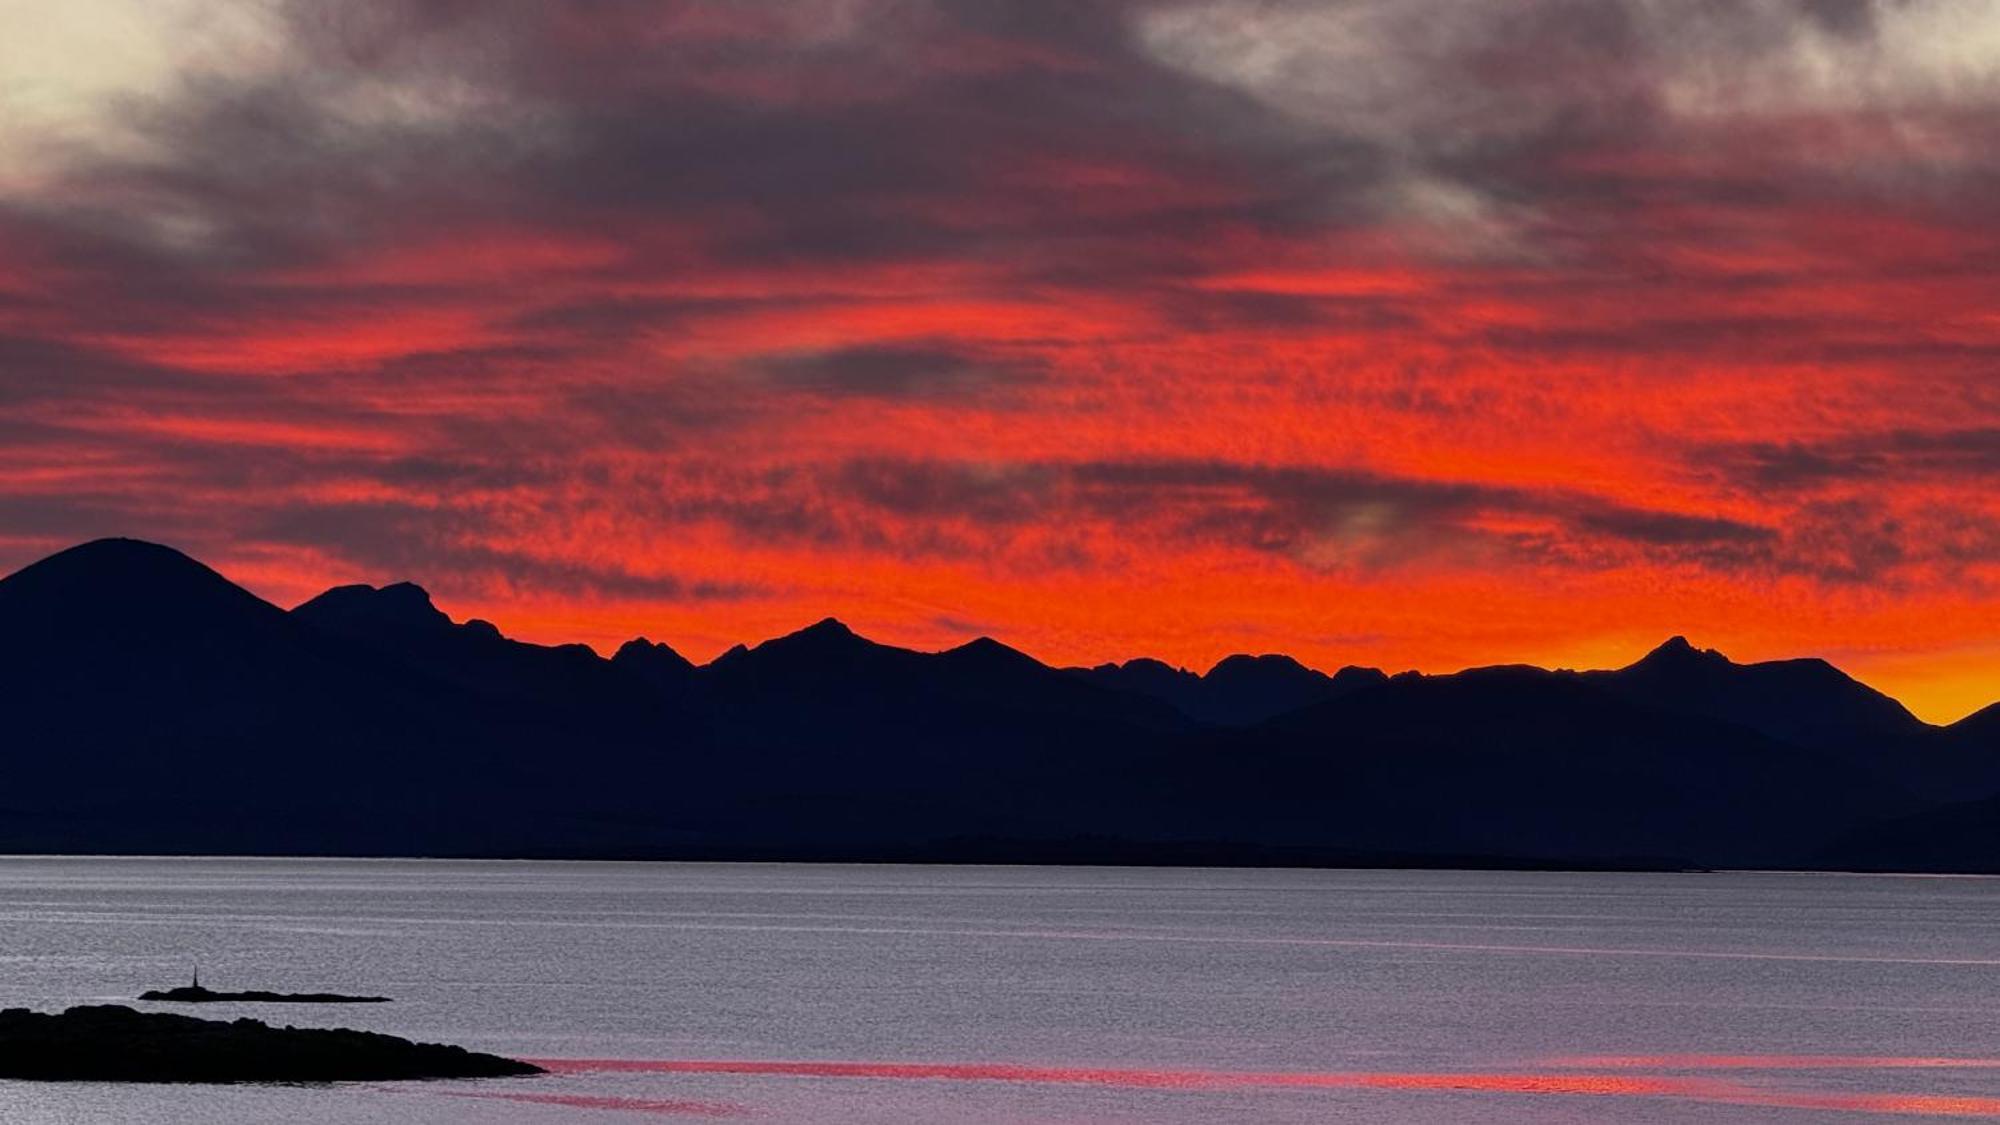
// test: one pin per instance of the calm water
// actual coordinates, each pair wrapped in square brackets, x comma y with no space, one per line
[1058,997]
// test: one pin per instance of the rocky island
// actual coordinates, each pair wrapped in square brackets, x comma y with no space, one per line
[196,994]
[109,1043]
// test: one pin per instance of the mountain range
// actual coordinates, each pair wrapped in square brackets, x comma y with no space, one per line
[155,707]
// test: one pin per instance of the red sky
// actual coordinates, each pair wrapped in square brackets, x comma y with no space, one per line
[1414,333]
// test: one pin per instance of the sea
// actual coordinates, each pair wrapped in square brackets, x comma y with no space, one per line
[910,995]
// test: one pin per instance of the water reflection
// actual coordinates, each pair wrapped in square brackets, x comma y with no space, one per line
[1675,1086]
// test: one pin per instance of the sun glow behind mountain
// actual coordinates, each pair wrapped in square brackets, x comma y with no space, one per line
[1414,334]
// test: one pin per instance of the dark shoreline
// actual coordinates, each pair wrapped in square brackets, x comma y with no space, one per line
[112,1043]
[985,854]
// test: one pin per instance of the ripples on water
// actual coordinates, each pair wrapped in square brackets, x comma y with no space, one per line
[977,996]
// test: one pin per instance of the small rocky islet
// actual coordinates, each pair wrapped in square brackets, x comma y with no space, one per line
[196,994]
[113,1043]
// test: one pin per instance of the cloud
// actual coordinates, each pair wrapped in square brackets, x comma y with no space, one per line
[1446,75]
[896,370]
[71,70]
[1966,455]
[1378,71]
[1781,57]
[391,539]
[1318,519]
[1445,114]
[1479,331]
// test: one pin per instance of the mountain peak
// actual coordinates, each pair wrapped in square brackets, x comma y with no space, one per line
[1268,664]
[401,606]
[1806,702]
[1676,651]
[824,639]
[126,581]
[1354,677]
[119,560]
[642,652]
[1147,664]
[1238,690]
[826,634]
[120,549]
[822,653]
[654,664]
[989,652]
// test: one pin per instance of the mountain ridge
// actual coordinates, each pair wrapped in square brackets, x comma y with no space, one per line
[367,721]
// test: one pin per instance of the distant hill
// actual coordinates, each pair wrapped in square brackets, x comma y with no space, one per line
[153,707]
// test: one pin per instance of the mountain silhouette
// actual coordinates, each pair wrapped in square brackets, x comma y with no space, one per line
[1517,761]
[656,665]
[1808,702]
[1238,691]
[123,633]
[120,589]
[862,745]
[401,626]
[151,702]
[155,707]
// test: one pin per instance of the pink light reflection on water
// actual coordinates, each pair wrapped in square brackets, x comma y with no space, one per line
[1531,1083]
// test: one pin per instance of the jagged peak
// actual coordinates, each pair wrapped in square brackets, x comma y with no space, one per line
[826,633]
[988,650]
[642,649]
[410,599]
[395,593]
[829,634]
[1143,673]
[403,605]
[1678,651]
[405,592]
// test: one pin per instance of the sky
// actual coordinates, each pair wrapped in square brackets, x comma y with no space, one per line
[1411,333]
